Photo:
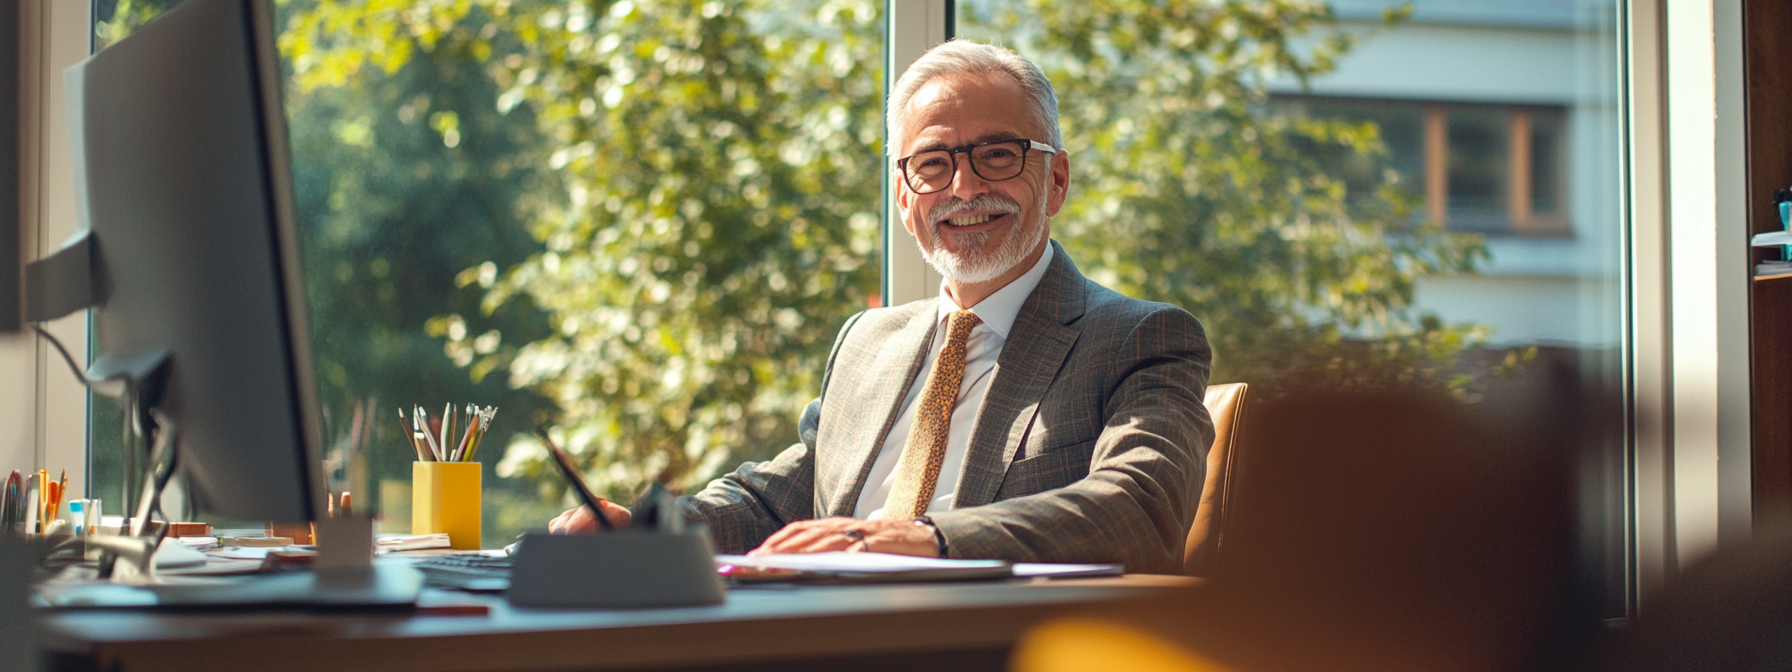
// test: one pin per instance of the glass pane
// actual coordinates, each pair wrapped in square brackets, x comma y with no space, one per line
[638,223]
[1399,128]
[1480,168]
[1547,171]
[1294,204]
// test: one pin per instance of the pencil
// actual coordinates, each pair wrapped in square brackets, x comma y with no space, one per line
[485,425]
[445,433]
[434,448]
[410,436]
[466,438]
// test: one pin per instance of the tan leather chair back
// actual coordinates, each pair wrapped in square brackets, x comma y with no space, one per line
[1225,404]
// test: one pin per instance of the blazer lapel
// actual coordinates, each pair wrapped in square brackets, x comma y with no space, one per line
[1036,348]
[891,379]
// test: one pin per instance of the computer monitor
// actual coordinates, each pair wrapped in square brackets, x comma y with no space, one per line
[182,176]
[11,216]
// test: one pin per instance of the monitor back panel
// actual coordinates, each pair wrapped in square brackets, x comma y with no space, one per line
[181,187]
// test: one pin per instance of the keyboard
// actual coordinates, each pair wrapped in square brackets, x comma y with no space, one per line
[472,572]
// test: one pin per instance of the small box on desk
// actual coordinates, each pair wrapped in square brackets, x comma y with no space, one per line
[445,498]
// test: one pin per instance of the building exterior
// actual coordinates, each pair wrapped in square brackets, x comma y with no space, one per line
[1503,115]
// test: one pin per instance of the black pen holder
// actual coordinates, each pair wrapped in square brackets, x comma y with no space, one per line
[616,570]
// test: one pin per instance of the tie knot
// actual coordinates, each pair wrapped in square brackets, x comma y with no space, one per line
[960,323]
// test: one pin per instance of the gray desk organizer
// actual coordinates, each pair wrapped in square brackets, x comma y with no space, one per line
[616,570]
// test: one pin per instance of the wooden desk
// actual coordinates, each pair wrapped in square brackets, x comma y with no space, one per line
[936,626]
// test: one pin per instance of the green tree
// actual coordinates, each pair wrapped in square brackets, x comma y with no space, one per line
[711,223]
[702,181]
[1194,190]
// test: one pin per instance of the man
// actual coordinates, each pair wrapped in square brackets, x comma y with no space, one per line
[1027,413]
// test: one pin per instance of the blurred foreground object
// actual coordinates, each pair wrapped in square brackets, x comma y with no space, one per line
[1732,611]
[18,623]
[1383,530]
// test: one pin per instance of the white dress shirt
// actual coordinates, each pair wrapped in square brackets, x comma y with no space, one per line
[982,348]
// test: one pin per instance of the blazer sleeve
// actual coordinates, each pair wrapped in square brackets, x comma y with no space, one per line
[1146,468]
[744,507]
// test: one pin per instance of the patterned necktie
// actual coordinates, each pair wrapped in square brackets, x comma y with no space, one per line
[918,472]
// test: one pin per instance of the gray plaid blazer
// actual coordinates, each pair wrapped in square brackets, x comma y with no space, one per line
[1090,446]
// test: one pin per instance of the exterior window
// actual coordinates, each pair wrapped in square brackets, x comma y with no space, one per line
[1491,169]
[1432,197]
[638,223]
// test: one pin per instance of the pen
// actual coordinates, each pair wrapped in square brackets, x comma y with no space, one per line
[564,462]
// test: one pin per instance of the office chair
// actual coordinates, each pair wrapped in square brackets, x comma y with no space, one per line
[1225,404]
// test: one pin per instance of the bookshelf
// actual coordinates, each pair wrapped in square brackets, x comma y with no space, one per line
[1769,146]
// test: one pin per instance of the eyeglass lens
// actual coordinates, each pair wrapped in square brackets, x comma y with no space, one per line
[932,171]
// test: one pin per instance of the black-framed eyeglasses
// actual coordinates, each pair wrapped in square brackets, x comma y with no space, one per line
[928,172]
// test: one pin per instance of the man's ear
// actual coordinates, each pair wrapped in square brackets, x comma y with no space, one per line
[1059,183]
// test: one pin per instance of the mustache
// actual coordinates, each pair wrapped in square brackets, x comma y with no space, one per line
[948,208]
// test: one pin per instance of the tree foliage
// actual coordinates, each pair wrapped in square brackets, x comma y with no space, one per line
[1195,190]
[670,207]
[712,220]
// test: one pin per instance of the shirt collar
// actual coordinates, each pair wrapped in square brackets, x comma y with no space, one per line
[1000,309]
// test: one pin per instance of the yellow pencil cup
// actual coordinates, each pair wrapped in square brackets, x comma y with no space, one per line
[445,498]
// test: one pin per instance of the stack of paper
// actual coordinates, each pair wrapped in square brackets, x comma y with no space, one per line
[856,567]
[388,543]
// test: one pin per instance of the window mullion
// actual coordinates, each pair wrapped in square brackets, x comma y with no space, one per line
[914,27]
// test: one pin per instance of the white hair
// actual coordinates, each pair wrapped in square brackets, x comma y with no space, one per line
[963,57]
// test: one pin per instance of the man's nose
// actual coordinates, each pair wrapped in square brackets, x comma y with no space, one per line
[966,184]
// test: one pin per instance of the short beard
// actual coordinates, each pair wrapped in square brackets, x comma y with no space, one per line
[973,266]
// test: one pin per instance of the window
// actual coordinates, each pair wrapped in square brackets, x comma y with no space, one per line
[1431,198]
[1494,169]
[640,223]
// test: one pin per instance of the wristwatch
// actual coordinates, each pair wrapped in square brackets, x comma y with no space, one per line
[938,536]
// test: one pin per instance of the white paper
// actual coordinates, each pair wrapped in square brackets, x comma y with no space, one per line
[171,553]
[252,552]
[852,562]
[412,542]
[1040,569]
[1773,238]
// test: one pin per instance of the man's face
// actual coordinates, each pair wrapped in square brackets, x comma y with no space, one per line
[975,230]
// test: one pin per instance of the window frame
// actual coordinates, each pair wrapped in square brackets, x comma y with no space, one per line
[1685,412]
[53,36]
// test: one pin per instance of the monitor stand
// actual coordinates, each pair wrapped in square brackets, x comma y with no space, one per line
[127,570]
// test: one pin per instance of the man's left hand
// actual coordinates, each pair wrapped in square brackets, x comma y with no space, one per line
[901,537]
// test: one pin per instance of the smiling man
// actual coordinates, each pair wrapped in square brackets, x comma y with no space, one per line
[1026,413]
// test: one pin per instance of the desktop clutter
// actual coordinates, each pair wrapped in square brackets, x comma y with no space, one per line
[654,560]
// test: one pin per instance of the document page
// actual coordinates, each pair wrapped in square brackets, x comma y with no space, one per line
[862,563]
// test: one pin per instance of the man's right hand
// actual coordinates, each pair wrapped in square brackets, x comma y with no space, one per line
[580,520]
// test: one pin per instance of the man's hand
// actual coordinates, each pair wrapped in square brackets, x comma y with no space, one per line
[902,537]
[579,520]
